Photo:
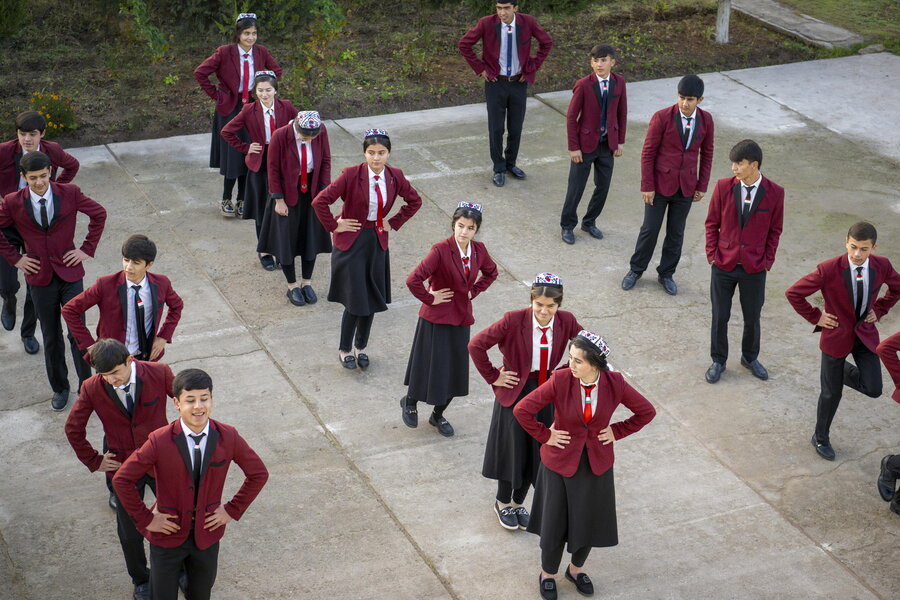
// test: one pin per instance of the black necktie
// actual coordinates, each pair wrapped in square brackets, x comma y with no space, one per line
[859,292]
[45,222]
[129,399]
[509,45]
[604,102]
[748,202]
[686,134]
[140,324]
[198,459]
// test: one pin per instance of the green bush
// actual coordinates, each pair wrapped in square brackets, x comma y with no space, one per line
[482,7]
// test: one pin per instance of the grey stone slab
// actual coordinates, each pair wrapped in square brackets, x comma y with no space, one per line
[800,25]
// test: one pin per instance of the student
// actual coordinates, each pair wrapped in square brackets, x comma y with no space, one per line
[575,498]
[890,465]
[595,123]
[190,457]
[743,227]
[457,269]
[849,284]
[299,168]
[129,398]
[45,215]
[360,263]
[678,138]
[259,119]
[532,341]
[131,304]
[507,67]
[234,66]
[30,127]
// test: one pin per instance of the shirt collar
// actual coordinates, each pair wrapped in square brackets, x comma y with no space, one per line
[691,116]
[372,173]
[594,383]
[142,283]
[48,195]
[467,253]
[538,326]
[241,52]
[865,265]
[602,79]
[188,431]
[133,377]
[755,184]
[513,24]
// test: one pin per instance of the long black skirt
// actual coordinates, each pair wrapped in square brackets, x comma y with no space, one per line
[222,156]
[580,509]
[438,367]
[510,453]
[361,276]
[300,233]
[256,194]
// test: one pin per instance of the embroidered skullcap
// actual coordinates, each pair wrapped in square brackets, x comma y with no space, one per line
[269,73]
[596,340]
[243,16]
[308,119]
[472,205]
[376,131]
[547,280]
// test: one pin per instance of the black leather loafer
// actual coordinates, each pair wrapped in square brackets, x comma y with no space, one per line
[548,588]
[568,236]
[31,345]
[362,359]
[629,280]
[8,313]
[517,172]
[410,415]
[499,179]
[348,362]
[267,261]
[886,482]
[113,501]
[593,230]
[714,372]
[60,400]
[582,583]
[310,294]
[824,450]
[756,368]
[296,297]
[142,591]
[669,285]
[443,426]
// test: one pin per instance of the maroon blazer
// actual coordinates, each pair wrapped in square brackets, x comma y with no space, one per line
[888,350]
[564,391]
[11,152]
[353,186]
[666,166]
[583,115]
[251,118]
[514,336]
[833,279]
[225,63]
[488,31]
[49,246]
[283,164]
[110,293]
[443,268]
[124,433]
[754,245]
[166,451]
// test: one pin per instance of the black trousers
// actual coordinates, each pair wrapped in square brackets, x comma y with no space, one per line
[353,326]
[166,564]
[131,540]
[835,373]
[601,159]
[678,207]
[550,559]
[505,105]
[752,287]
[48,302]
[9,287]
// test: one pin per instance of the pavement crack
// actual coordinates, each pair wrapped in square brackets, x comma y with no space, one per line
[17,585]
[199,358]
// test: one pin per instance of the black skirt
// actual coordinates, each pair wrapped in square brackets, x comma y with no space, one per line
[510,453]
[580,509]
[300,233]
[256,193]
[361,276]
[222,156]
[438,367]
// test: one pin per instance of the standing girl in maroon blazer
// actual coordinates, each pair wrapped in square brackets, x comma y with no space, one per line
[532,341]
[259,119]
[574,499]
[360,263]
[300,167]
[438,367]
[234,66]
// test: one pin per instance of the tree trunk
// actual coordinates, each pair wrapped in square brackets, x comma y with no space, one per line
[722,21]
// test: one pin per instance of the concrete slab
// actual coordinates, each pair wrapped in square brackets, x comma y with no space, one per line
[809,29]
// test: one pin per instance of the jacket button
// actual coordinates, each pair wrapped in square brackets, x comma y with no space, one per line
[743,246]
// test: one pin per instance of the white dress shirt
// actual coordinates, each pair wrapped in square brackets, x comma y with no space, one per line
[268,112]
[120,389]
[190,442]
[684,121]
[536,344]
[36,204]
[514,68]
[865,282]
[744,189]
[309,152]
[241,68]
[131,332]
[593,396]
[373,198]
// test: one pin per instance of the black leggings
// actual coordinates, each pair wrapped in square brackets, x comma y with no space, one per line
[306,271]
[229,187]
[351,324]
[437,410]
[550,559]
[505,492]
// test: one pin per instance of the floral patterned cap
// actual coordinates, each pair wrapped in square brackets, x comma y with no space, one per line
[243,16]
[472,205]
[547,280]
[269,73]
[596,340]
[376,131]
[308,119]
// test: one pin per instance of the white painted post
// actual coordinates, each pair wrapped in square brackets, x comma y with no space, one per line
[722,21]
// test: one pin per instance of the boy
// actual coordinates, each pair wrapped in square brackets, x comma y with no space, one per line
[131,304]
[743,227]
[191,457]
[44,214]
[129,398]
[678,138]
[595,124]
[849,284]
[30,127]
[890,464]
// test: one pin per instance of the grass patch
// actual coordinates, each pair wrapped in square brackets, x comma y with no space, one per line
[876,20]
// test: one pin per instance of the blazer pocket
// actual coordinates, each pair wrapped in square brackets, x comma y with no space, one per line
[221,463]
[213,505]
[152,402]
[763,209]
[724,244]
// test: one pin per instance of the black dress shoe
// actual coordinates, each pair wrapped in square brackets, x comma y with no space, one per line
[629,280]
[362,359]
[714,372]
[267,261]
[507,516]
[60,400]
[593,230]
[825,450]
[182,583]
[668,284]
[568,236]
[582,583]
[348,362]
[886,481]
[309,294]
[295,295]
[113,501]
[548,588]
[31,345]
[8,313]
[756,368]
[522,517]
[517,172]
[410,414]
[142,591]
[443,426]
[499,179]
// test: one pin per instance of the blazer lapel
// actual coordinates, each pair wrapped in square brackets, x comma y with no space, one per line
[738,202]
[528,342]
[26,206]
[757,199]
[210,448]
[596,86]
[848,282]
[181,443]
[391,188]
[115,399]
[612,87]
[497,35]
[697,125]
[138,385]
[123,302]
[872,291]
[154,302]
[56,203]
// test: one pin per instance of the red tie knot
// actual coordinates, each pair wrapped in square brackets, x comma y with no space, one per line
[588,389]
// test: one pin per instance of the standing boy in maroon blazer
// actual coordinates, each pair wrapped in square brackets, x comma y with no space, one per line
[190,457]
[595,124]
[129,398]
[678,138]
[890,464]
[507,67]
[132,316]
[44,215]
[743,227]
[30,127]
[849,284]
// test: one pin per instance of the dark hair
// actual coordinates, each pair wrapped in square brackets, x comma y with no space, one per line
[191,379]
[30,120]
[601,50]
[691,85]
[591,353]
[34,161]
[746,149]
[553,292]
[310,133]
[139,247]
[513,2]
[240,26]
[863,231]
[464,212]
[107,354]
[259,78]
[377,139]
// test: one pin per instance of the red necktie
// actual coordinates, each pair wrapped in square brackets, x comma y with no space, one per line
[245,93]
[588,413]
[304,177]
[466,268]
[271,123]
[545,356]
[379,220]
